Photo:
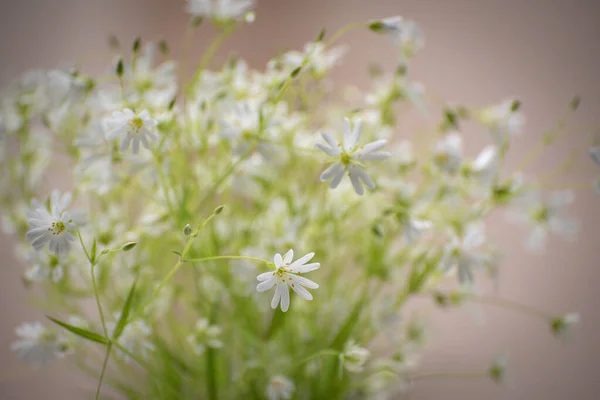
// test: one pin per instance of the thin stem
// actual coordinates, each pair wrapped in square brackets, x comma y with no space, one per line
[513,305]
[96,295]
[175,268]
[95,287]
[343,30]
[207,57]
[448,375]
[326,352]
[194,260]
[83,245]
[106,357]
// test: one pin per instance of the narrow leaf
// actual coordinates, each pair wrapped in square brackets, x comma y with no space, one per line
[125,312]
[84,333]
[93,253]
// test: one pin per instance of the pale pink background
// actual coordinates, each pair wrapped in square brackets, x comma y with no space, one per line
[478,52]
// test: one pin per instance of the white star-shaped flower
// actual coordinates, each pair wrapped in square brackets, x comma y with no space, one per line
[131,128]
[349,157]
[286,275]
[50,228]
[219,9]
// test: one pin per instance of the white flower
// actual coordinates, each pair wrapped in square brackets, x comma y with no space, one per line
[280,388]
[546,215]
[349,157]
[466,254]
[595,154]
[242,126]
[135,338]
[318,59]
[287,274]
[38,344]
[503,120]
[414,228]
[354,357]
[219,9]
[205,335]
[485,166]
[448,152]
[404,33]
[130,128]
[50,228]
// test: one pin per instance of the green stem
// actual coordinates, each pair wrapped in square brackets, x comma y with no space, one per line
[106,357]
[343,30]
[448,375]
[509,304]
[95,287]
[194,260]
[96,295]
[207,58]
[326,352]
[175,268]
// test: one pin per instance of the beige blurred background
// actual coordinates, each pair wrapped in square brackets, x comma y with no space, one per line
[477,52]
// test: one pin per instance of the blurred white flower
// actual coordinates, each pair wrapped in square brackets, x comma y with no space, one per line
[319,60]
[205,335]
[280,388]
[131,128]
[465,253]
[135,338]
[38,344]
[503,121]
[50,228]
[219,9]
[286,275]
[545,215]
[354,357]
[448,152]
[348,157]
[485,166]
[404,33]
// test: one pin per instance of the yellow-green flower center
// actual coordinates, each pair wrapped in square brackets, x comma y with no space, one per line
[136,124]
[57,228]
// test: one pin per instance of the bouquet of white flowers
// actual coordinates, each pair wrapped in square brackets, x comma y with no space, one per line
[241,235]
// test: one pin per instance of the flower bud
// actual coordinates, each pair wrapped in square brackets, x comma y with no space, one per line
[128,246]
[187,230]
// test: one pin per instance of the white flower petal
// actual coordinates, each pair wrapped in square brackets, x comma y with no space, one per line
[333,170]
[306,268]
[302,260]
[335,182]
[288,257]
[265,275]
[285,297]
[302,292]
[333,152]
[267,284]
[304,282]
[278,260]
[358,187]
[375,156]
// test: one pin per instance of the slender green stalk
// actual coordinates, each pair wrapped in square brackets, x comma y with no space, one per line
[343,30]
[509,304]
[208,56]
[175,268]
[326,352]
[95,287]
[195,260]
[97,296]
[104,365]
[449,375]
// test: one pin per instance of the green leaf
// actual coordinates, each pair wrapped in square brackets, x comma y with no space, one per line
[346,330]
[376,26]
[125,312]
[136,45]
[93,253]
[84,333]
[296,71]
[321,35]
[120,68]
[128,246]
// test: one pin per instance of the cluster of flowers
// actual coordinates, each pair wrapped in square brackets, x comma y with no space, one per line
[260,142]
